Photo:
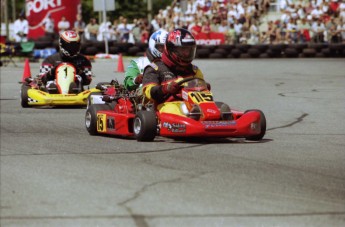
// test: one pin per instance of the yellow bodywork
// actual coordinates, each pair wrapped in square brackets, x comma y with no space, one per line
[171,107]
[41,98]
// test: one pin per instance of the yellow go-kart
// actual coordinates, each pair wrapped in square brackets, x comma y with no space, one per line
[66,92]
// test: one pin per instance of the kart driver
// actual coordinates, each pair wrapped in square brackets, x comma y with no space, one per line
[69,47]
[159,76]
[134,72]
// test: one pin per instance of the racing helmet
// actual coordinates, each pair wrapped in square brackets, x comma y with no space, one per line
[180,47]
[156,43]
[69,43]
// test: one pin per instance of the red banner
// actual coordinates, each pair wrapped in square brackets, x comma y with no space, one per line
[38,10]
[212,38]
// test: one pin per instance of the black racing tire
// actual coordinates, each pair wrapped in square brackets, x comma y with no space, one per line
[24,98]
[317,46]
[262,126]
[225,111]
[254,53]
[261,47]
[113,50]
[132,51]
[73,88]
[202,53]
[215,55]
[145,126]
[221,51]
[245,55]
[309,52]
[91,117]
[236,53]
[291,52]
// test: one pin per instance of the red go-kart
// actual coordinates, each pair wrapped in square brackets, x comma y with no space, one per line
[191,113]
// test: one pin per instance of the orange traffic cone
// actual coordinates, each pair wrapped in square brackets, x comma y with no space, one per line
[27,71]
[120,67]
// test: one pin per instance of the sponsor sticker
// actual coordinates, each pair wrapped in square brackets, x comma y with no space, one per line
[175,127]
[213,124]
[111,123]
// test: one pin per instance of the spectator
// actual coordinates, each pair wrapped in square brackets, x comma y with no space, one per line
[63,24]
[206,27]
[49,25]
[292,30]
[341,29]
[304,29]
[195,26]
[114,28]
[21,29]
[92,29]
[318,29]
[333,34]
[79,26]
[316,13]
[333,7]
[231,35]
[223,27]
[105,31]
[124,31]
[342,12]
[136,30]
[238,30]
[254,33]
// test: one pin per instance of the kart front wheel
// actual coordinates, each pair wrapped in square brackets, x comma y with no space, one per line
[262,126]
[91,117]
[145,125]
[24,98]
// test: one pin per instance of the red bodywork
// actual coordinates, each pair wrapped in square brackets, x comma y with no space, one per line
[181,120]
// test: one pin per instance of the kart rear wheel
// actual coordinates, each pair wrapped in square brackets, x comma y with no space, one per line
[145,125]
[91,117]
[24,98]
[262,126]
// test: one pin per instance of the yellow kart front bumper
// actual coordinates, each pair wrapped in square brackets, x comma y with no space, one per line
[37,97]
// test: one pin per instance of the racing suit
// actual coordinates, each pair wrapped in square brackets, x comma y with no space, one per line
[81,63]
[158,73]
[135,68]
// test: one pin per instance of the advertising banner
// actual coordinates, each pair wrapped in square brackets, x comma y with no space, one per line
[212,38]
[38,11]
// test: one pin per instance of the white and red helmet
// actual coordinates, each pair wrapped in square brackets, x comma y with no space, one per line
[69,42]
[180,47]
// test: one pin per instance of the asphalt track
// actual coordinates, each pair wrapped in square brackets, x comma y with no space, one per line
[53,173]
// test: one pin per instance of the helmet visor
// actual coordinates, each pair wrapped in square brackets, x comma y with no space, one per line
[73,48]
[185,53]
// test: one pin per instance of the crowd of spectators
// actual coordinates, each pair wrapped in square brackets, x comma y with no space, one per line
[241,21]
[319,21]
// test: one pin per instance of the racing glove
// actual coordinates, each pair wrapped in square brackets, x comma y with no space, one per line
[138,79]
[170,88]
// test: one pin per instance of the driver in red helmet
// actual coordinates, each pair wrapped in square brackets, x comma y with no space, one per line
[159,77]
[69,48]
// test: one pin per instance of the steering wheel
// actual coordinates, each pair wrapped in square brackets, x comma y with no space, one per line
[180,85]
